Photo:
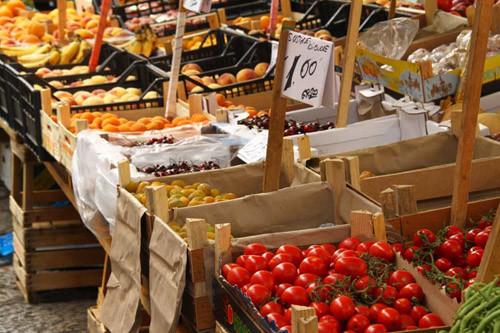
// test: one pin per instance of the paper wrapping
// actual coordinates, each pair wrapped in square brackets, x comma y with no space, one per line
[167,277]
[120,309]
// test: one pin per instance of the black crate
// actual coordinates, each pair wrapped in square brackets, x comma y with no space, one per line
[247,9]
[165,29]
[28,105]
[5,96]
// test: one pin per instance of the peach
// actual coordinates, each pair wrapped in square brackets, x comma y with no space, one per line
[134,91]
[188,67]
[197,89]
[190,85]
[84,33]
[129,97]
[81,96]
[261,69]
[207,80]
[96,92]
[246,74]
[68,100]
[101,95]
[322,32]
[214,86]
[76,84]
[98,79]
[151,94]
[93,100]
[62,94]
[56,84]
[191,72]
[42,71]
[118,91]
[226,79]
[110,98]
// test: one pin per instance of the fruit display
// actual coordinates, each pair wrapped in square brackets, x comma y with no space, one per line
[45,72]
[479,312]
[195,43]
[495,136]
[456,7]
[365,174]
[101,96]
[181,194]
[145,42]
[449,57]
[182,231]
[93,80]
[178,168]
[156,141]
[33,56]
[353,288]
[451,257]
[165,21]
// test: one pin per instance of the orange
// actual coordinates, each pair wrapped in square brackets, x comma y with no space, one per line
[77,116]
[15,6]
[96,114]
[261,113]
[37,29]
[94,127]
[154,126]
[112,121]
[97,122]
[160,118]
[176,121]
[144,121]
[251,113]
[88,116]
[130,123]
[264,22]
[138,127]
[30,39]
[108,115]
[167,126]
[4,20]
[123,128]
[5,11]
[110,128]
[122,121]
[199,118]
[220,99]
[228,104]
[184,122]
[279,18]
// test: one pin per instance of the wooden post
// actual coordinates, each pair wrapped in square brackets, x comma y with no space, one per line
[490,263]
[195,104]
[124,173]
[286,8]
[405,198]
[304,145]
[495,22]
[388,202]
[361,224]
[46,101]
[170,107]
[156,202]
[379,227]
[96,50]
[196,233]
[221,12]
[81,125]
[304,319]
[61,25]
[273,19]
[348,63]
[392,10]
[431,8]
[287,159]
[337,55]
[473,85]
[277,121]
[352,171]
[334,173]
[221,116]
[222,246]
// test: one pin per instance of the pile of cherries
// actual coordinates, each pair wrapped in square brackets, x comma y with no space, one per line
[154,141]
[292,127]
[182,167]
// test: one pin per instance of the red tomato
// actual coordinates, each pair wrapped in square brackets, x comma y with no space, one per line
[481,238]
[345,254]
[443,264]
[456,271]
[365,282]
[332,278]
[471,234]
[286,272]
[430,320]
[410,253]
[417,312]
[304,280]
[342,308]
[294,251]
[328,248]
[474,258]
[279,258]
[332,319]
[399,279]
[270,307]
[255,263]
[406,320]
[295,295]
[471,274]
[374,310]
[313,265]
[337,253]
[365,246]
[358,323]
[255,248]
[398,247]
[268,256]
[245,288]
[403,305]
[288,315]
[376,328]
[329,327]
[309,249]
[286,328]
[460,261]
[459,238]
[241,260]
[483,223]
[320,253]
[281,288]
[362,310]
[454,291]
[412,290]
[453,230]
[226,268]
[264,278]
[238,276]
[451,249]
[321,294]
[350,243]
[321,308]
[389,296]
[382,250]
[470,282]
[258,294]
[351,266]
[390,318]
[422,269]
[423,236]
[278,319]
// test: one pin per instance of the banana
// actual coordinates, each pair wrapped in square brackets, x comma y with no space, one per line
[45,48]
[83,50]
[127,44]
[55,57]
[34,60]
[69,51]
[17,51]
[147,48]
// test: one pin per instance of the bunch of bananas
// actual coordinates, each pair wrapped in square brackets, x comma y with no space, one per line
[48,54]
[144,43]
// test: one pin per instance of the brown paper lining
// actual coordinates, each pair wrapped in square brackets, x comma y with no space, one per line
[120,307]
[167,277]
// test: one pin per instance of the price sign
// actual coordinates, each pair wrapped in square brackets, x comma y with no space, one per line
[198,6]
[308,73]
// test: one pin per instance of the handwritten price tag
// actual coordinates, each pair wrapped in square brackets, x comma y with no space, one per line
[198,6]
[308,70]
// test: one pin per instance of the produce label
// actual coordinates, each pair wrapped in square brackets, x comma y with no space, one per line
[308,73]
[198,6]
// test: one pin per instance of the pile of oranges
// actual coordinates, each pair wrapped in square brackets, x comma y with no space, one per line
[108,122]
[221,101]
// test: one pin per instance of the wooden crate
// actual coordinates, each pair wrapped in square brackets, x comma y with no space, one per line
[94,325]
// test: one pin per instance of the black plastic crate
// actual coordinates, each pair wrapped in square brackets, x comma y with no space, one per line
[5,96]
[27,101]
[247,9]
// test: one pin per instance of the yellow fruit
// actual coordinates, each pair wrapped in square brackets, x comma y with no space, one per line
[132,186]
[180,183]
[142,187]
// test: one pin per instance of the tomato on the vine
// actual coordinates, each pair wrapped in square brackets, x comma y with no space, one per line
[351,266]
[459,238]
[456,272]
[280,288]
[279,258]
[454,291]
[471,234]
[365,246]
[342,308]
[443,264]
[270,307]
[330,318]
[329,327]
[453,230]
[398,247]
[389,294]
[382,250]
[241,260]
[481,238]
[400,278]
[362,310]
[278,319]
[474,258]
[295,295]
[374,310]
[412,290]
[350,243]
[451,249]
[409,253]
[390,318]
[268,256]
[406,321]
[358,323]
[320,253]
[403,305]
[255,248]
[423,268]
[421,235]
[264,278]
[328,248]
[364,282]
[226,268]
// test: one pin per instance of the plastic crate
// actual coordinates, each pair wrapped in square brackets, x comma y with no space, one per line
[230,49]
[5,96]
[28,102]
[246,9]
[6,246]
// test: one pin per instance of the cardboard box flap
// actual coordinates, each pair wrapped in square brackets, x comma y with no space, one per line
[120,310]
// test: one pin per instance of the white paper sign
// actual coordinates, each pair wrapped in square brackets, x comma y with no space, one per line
[255,150]
[308,70]
[274,55]
[198,6]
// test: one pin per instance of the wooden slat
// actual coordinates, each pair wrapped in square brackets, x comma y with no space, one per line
[64,279]
[361,224]
[42,260]
[437,181]
[42,214]
[490,264]
[198,311]
[405,197]
[196,265]
[15,171]
[388,203]
[62,178]
[287,160]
